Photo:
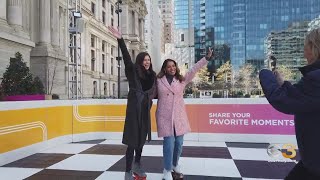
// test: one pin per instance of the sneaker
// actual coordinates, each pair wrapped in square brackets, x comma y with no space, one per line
[136,169]
[177,169]
[177,172]
[167,175]
[128,176]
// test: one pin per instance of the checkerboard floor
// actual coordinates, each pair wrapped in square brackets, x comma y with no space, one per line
[104,159]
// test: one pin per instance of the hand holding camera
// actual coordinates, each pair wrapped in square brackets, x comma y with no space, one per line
[279,77]
[276,73]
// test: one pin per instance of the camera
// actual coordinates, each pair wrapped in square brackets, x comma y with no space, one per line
[273,63]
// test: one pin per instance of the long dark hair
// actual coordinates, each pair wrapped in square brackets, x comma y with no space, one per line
[140,68]
[163,70]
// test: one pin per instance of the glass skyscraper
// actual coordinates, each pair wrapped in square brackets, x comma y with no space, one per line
[181,14]
[238,28]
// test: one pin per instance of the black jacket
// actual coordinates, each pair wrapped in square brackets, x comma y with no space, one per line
[138,123]
[303,101]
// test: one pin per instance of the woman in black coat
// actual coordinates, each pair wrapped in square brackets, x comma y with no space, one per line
[141,79]
[303,101]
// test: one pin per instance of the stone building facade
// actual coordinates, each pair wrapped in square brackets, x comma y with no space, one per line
[38,29]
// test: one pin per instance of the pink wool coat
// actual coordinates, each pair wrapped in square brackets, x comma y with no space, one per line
[171,112]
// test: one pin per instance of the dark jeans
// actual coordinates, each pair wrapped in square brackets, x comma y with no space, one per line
[129,157]
[299,172]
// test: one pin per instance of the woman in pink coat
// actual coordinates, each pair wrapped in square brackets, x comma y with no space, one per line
[171,115]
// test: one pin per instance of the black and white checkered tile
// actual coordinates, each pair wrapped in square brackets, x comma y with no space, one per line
[104,159]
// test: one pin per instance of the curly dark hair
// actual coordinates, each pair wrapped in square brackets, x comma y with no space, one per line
[163,68]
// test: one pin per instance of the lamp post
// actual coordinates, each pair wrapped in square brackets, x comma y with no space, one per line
[118,11]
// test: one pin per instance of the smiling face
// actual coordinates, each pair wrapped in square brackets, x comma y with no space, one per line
[171,68]
[146,62]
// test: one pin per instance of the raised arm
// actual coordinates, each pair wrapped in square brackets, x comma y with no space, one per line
[287,98]
[202,62]
[192,72]
[125,53]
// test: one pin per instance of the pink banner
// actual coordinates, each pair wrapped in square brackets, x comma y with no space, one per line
[239,118]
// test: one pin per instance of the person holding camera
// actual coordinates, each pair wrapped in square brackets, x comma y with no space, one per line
[303,101]
[171,115]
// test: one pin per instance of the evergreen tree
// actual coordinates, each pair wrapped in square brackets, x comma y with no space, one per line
[38,87]
[17,80]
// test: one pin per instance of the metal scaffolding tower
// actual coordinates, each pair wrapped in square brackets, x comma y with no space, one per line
[75,29]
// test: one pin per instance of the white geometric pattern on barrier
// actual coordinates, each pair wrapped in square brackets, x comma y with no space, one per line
[95,118]
[26,126]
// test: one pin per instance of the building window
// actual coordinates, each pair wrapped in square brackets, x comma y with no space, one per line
[95,88]
[140,28]
[284,18]
[111,51]
[133,20]
[263,26]
[92,41]
[103,47]
[182,37]
[111,66]
[103,17]
[103,63]
[104,3]
[105,89]
[93,59]
[114,89]
[112,10]
[111,21]
[93,8]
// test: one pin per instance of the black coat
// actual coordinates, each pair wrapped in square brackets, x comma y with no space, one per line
[303,101]
[138,122]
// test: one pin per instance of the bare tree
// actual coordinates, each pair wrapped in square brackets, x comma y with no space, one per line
[256,84]
[51,73]
[246,77]
[201,79]
[286,72]
[183,69]
[224,72]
